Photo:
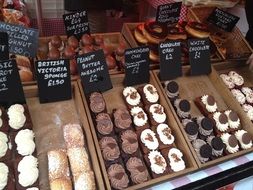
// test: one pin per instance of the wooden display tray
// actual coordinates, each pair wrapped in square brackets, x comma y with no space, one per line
[114,99]
[236,43]
[196,86]
[48,120]
[128,33]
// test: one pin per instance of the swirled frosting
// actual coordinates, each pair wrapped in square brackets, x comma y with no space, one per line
[209,103]
[157,161]
[250,114]
[151,93]
[137,169]
[183,107]
[171,89]
[239,96]
[249,98]
[164,132]
[205,125]
[236,78]
[158,113]
[197,144]
[191,129]
[233,119]
[118,176]
[176,160]
[246,90]
[97,102]
[109,148]
[28,171]
[129,142]
[231,142]
[221,121]
[244,138]
[228,81]
[217,149]
[149,139]
[25,143]
[16,118]
[32,188]
[139,116]
[133,98]
[3,175]
[104,123]
[16,108]
[3,144]
[122,118]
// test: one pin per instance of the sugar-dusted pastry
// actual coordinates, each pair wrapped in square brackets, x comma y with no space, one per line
[216,144]
[78,159]
[206,125]
[149,94]
[149,140]
[109,148]
[221,121]
[157,114]
[97,103]
[5,148]
[137,169]
[164,135]
[244,139]
[140,118]
[129,142]
[203,150]
[206,104]
[16,116]
[73,135]
[228,81]
[84,180]
[233,119]
[117,176]
[122,119]
[176,160]
[191,129]
[58,166]
[25,142]
[132,97]
[239,96]
[231,143]
[104,124]
[171,89]
[236,78]
[61,184]
[183,108]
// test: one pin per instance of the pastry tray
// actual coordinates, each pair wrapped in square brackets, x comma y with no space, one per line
[191,87]
[114,99]
[48,120]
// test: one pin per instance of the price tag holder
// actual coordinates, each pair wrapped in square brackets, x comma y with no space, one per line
[94,72]
[223,20]
[168,13]
[22,41]
[11,90]
[76,24]
[170,60]
[53,78]
[199,56]
[4,46]
[136,66]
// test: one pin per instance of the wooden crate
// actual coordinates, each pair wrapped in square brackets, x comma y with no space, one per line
[191,87]
[237,47]
[114,99]
[48,120]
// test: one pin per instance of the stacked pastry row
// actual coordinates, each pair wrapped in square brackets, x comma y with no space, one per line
[131,143]
[18,159]
[242,93]
[213,134]
[80,172]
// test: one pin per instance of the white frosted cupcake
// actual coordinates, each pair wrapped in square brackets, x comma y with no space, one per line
[140,118]
[233,119]
[244,139]
[231,143]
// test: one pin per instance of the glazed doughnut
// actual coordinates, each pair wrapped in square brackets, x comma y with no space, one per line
[153,53]
[175,33]
[25,74]
[138,34]
[155,32]
[22,61]
[197,30]
[181,24]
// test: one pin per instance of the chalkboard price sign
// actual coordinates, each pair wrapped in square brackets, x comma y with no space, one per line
[53,80]
[170,60]
[11,90]
[223,20]
[4,47]
[199,55]
[136,66]
[22,41]
[94,72]
[168,13]
[76,24]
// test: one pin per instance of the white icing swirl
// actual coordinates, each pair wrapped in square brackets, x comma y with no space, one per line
[176,161]
[220,126]
[3,137]
[32,188]
[3,144]
[25,143]
[209,108]
[24,134]
[228,81]
[16,119]
[151,143]
[155,167]
[127,94]
[16,108]
[224,138]
[214,152]
[236,78]
[232,124]
[239,96]
[151,97]
[239,134]
[3,175]
[159,117]
[246,90]
[247,107]
[139,121]
[249,98]
[164,132]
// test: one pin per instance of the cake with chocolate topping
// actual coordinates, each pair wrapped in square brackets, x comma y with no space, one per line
[182,108]
[132,97]
[206,126]
[191,129]
[97,103]
[5,147]
[233,120]
[203,150]
[148,140]
[140,118]
[244,139]
[149,94]
[217,146]
[206,104]
[157,114]
[104,124]
[221,123]
[122,119]
[232,145]
[164,136]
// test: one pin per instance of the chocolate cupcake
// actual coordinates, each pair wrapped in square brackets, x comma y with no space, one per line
[109,148]
[129,143]
[203,150]
[148,140]
[231,143]
[206,126]
[117,176]
[122,119]
[165,137]
[221,121]
[149,94]
[157,114]
[137,169]
[172,90]
[97,103]
[104,124]
[233,120]
[216,144]
[140,118]
[244,139]
[206,104]
[191,129]
[183,108]
[132,97]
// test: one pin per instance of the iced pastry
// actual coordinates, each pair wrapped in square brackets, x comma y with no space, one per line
[206,125]
[244,139]
[140,118]
[172,89]
[206,104]
[165,134]
[104,124]
[5,147]
[176,160]
[203,150]
[25,142]
[84,180]
[122,119]
[73,135]
[97,103]
[157,114]
[129,142]
[149,94]
[216,144]
[132,97]
[236,78]
[239,96]
[117,176]
[149,140]
[233,119]
[16,116]
[109,148]
[228,81]
[221,121]
[157,163]
[3,175]
[231,143]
